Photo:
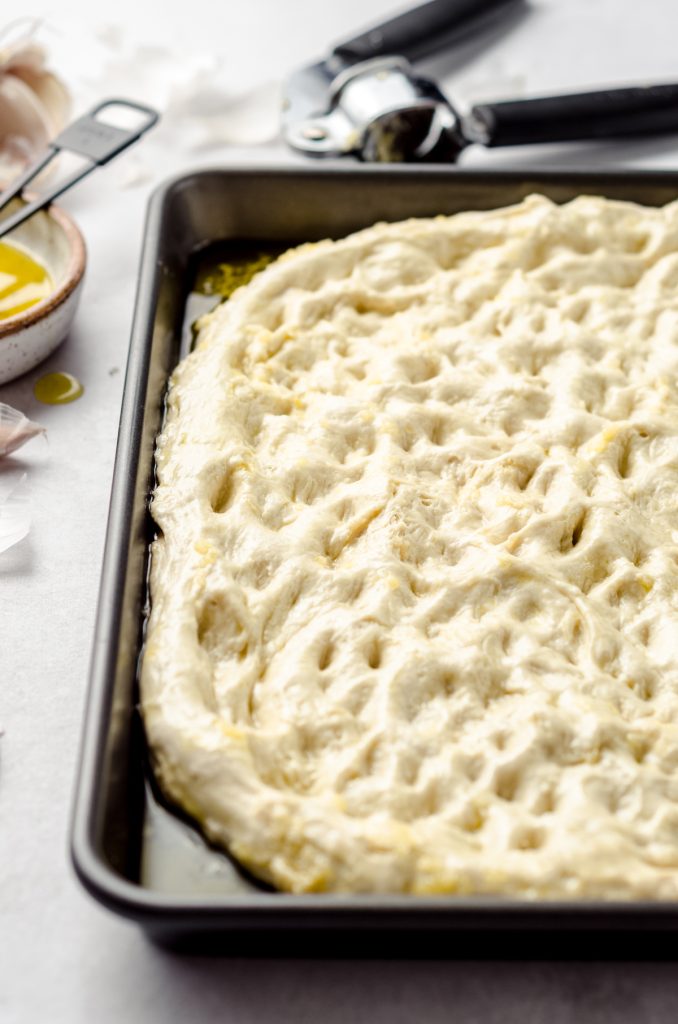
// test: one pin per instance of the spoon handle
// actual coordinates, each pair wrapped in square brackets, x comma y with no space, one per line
[92,137]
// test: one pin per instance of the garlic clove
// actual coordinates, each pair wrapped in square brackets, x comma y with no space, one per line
[22,54]
[21,114]
[15,429]
[51,93]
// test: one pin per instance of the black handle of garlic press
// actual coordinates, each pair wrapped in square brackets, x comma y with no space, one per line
[636,110]
[419,31]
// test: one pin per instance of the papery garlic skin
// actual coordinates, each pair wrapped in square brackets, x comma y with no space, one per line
[15,516]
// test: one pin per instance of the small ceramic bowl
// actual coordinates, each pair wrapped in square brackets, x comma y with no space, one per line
[30,336]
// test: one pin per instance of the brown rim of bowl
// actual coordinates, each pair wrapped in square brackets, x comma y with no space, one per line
[74,274]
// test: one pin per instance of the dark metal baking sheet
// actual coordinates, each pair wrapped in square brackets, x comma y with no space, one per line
[129,852]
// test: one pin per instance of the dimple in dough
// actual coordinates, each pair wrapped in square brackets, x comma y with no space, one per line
[415,594]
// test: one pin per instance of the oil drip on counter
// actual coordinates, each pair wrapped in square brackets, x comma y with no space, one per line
[57,388]
[23,281]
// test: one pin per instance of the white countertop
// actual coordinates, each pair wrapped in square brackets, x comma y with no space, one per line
[63,959]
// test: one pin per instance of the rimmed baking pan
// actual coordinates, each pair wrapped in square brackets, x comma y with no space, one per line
[132,854]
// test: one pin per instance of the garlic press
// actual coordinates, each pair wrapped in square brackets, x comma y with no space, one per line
[366,99]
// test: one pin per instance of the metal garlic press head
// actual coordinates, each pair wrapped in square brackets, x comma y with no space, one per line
[367,100]
[381,110]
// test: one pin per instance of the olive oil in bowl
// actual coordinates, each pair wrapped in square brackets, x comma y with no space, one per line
[23,281]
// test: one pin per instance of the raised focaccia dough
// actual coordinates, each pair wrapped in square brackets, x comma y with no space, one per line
[415,598]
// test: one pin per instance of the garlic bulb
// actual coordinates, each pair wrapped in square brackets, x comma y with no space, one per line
[34,103]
